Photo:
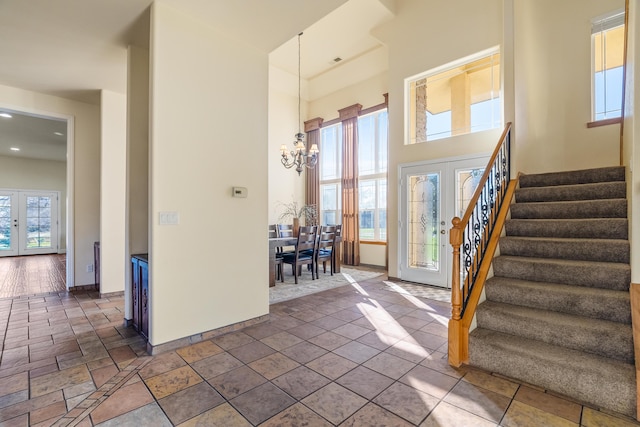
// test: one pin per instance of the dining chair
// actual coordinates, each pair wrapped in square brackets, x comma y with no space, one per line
[324,250]
[273,233]
[333,251]
[285,230]
[306,241]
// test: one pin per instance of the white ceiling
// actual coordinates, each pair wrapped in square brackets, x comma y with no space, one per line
[74,48]
[35,137]
[344,33]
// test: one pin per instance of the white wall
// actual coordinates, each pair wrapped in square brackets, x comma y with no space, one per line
[368,93]
[35,174]
[284,184]
[113,192]
[631,142]
[86,164]
[553,87]
[208,134]
[459,29]
[373,254]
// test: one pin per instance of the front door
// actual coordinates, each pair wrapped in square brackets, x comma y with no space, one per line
[28,222]
[431,195]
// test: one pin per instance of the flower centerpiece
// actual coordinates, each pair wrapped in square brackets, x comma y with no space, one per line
[293,211]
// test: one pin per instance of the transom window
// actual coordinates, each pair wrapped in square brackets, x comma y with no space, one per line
[607,46]
[457,98]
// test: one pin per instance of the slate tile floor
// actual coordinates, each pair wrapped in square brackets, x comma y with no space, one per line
[358,355]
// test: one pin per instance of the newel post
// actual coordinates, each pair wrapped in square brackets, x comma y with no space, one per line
[455,323]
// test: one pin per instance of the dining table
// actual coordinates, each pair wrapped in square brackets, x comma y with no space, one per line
[276,242]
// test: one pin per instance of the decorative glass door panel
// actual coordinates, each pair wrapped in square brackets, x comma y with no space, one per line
[466,183]
[424,221]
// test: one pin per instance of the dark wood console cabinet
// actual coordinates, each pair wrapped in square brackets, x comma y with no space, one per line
[140,293]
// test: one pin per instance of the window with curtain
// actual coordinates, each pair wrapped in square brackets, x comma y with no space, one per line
[457,98]
[372,167]
[372,175]
[330,175]
[607,48]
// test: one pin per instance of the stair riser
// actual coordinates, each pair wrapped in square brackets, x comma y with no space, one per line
[616,343]
[591,275]
[615,228]
[615,208]
[588,250]
[615,173]
[605,385]
[608,190]
[560,298]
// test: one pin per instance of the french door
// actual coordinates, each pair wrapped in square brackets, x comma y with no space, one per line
[28,222]
[431,195]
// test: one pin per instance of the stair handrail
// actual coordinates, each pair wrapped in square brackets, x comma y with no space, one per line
[476,227]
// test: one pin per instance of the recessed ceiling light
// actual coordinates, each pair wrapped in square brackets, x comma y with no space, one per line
[6,115]
[58,133]
[14,149]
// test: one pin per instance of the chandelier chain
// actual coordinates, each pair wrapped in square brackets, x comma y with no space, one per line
[301,156]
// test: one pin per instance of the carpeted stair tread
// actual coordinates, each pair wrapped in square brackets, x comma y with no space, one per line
[601,250]
[606,275]
[599,381]
[584,176]
[598,228]
[603,208]
[605,304]
[601,337]
[600,190]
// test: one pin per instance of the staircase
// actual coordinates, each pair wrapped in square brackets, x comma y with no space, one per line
[557,311]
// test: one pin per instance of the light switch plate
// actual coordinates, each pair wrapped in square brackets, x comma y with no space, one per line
[168,218]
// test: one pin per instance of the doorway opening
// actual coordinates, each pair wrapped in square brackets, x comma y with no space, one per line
[36,170]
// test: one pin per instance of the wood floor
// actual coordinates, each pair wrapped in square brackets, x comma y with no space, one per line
[33,274]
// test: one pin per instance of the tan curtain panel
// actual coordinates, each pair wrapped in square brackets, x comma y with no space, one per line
[350,217]
[312,193]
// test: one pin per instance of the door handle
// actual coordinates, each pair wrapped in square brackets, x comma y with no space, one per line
[443,231]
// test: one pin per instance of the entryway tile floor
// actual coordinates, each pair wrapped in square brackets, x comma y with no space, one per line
[357,355]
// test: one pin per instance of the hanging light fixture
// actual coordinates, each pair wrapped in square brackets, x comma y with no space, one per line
[299,157]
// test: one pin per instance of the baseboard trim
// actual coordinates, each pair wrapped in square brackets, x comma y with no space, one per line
[186,341]
[634,293]
[112,294]
[83,288]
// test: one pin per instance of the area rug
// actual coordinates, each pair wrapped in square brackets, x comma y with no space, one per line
[422,291]
[289,290]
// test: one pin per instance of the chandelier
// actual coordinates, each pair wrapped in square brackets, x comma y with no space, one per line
[299,157]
